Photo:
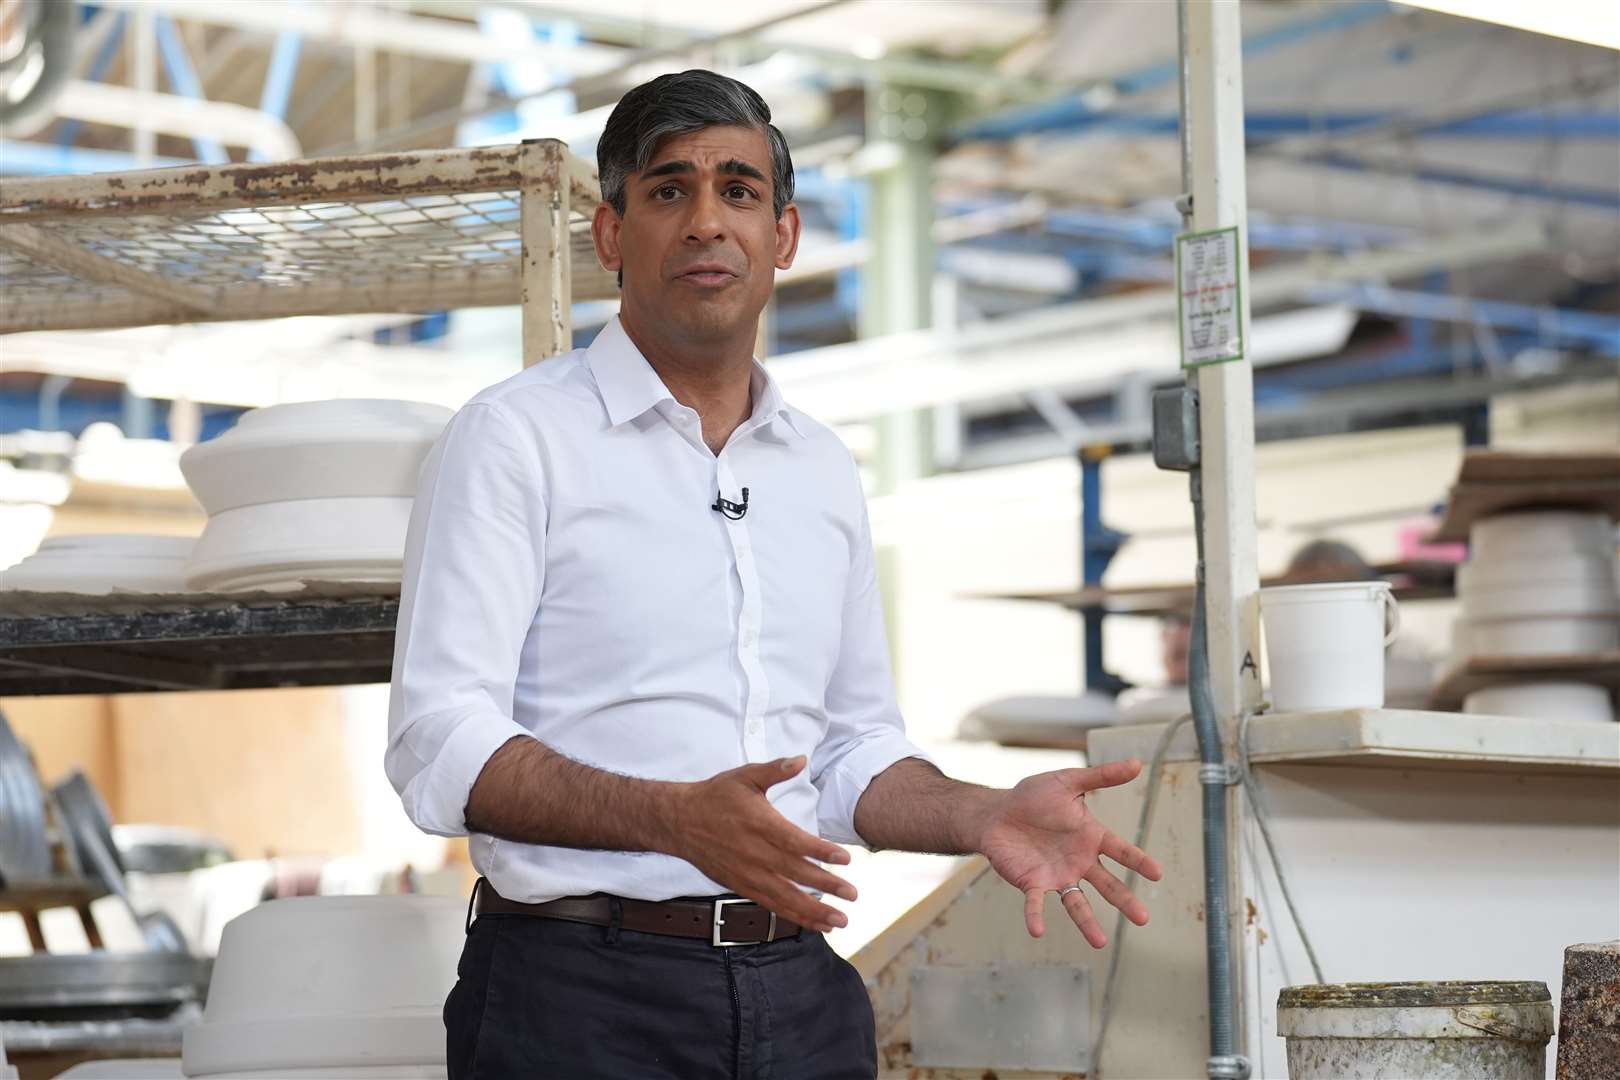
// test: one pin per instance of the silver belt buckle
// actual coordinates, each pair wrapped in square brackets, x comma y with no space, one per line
[716,937]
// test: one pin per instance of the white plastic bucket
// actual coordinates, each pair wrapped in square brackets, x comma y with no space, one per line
[1446,1029]
[1325,643]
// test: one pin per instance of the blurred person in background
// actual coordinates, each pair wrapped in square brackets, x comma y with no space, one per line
[640,659]
[1408,674]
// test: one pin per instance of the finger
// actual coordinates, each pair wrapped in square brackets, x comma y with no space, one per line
[796,841]
[1113,890]
[1079,909]
[1131,857]
[791,902]
[768,773]
[808,873]
[1035,911]
[1110,775]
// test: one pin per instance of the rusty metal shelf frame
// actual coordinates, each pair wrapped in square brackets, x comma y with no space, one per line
[401,232]
[226,646]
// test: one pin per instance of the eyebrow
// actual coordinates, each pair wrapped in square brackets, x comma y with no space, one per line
[729,167]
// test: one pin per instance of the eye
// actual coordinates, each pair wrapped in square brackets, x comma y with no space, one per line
[666,192]
[740,191]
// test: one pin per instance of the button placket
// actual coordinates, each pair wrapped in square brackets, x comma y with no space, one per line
[748,620]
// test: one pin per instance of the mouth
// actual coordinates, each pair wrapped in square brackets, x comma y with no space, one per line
[707,275]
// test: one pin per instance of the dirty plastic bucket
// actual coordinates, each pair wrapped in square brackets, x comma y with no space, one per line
[1427,1029]
[1325,643]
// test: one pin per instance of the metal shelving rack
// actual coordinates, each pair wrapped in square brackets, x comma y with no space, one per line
[217,644]
[412,231]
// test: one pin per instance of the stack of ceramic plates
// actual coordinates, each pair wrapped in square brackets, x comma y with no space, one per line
[100,563]
[1540,584]
[316,491]
[331,987]
[1543,701]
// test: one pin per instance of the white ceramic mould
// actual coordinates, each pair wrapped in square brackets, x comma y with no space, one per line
[331,986]
[1541,534]
[99,563]
[1543,701]
[315,491]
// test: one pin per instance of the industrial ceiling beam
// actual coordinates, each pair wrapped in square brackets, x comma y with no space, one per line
[1091,341]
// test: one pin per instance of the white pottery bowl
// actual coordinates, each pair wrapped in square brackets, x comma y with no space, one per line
[1570,568]
[1541,534]
[256,547]
[1544,701]
[1556,636]
[99,563]
[126,1069]
[331,986]
[315,450]
[1531,600]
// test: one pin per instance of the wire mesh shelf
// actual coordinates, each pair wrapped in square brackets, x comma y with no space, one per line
[420,231]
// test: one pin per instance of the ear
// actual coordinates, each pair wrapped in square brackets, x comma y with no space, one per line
[605,235]
[787,236]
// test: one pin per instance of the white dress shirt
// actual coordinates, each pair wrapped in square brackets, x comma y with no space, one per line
[566,578]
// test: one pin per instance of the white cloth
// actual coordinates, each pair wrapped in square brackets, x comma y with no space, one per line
[565,577]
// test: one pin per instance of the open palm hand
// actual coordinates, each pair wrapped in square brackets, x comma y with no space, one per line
[1042,837]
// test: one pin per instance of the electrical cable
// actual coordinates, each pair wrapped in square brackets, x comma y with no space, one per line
[1262,817]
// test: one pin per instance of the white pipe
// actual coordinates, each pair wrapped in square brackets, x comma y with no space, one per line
[236,125]
[364,25]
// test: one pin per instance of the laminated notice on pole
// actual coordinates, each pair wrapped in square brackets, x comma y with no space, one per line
[1208,297]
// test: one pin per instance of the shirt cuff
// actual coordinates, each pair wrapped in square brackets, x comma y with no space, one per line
[843,784]
[437,796]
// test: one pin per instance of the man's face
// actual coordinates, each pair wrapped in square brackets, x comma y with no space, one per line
[698,242]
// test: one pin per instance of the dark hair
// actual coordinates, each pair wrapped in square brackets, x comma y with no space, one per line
[678,105]
[1325,559]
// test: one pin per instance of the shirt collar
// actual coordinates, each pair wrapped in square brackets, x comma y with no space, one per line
[629,386]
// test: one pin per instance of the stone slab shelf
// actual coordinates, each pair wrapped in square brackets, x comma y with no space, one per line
[213,643]
[1396,738]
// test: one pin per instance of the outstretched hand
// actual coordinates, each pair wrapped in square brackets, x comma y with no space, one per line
[733,834]
[1041,837]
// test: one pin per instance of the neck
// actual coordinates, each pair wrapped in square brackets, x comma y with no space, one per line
[711,378]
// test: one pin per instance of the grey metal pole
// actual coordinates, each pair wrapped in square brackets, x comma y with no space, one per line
[1215,774]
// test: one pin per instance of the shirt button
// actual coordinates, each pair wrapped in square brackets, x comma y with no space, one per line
[753,727]
[750,639]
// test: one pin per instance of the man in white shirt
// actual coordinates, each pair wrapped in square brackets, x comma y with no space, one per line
[641,662]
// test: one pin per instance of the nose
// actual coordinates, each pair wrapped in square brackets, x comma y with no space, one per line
[704,222]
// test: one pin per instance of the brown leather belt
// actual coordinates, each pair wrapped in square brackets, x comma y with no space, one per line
[722,922]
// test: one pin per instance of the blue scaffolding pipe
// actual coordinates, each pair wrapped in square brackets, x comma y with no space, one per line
[185,81]
[280,76]
[1143,229]
[98,69]
[1260,127]
[1595,331]
[1605,199]
[1040,117]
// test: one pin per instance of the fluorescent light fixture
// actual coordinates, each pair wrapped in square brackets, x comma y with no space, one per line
[1595,22]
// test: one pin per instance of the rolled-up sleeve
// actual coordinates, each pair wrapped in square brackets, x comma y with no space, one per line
[474,568]
[865,732]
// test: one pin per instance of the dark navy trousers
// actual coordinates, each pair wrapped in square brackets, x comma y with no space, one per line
[542,998]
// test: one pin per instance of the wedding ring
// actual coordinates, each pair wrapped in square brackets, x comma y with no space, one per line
[1067,889]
